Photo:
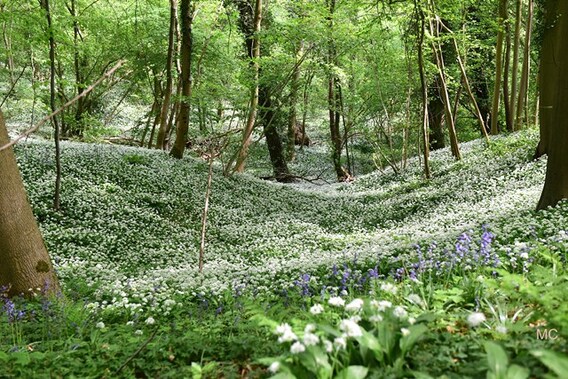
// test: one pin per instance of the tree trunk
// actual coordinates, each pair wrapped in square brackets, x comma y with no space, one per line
[25,261]
[293,116]
[57,192]
[436,138]
[437,50]
[554,102]
[516,49]
[507,101]
[275,149]
[498,68]
[523,90]
[161,139]
[333,99]
[186,49]
[253,48]
[424,87]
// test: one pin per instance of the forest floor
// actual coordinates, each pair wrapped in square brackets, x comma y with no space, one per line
[458,276]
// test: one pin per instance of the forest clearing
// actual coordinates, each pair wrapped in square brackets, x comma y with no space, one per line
[283,189]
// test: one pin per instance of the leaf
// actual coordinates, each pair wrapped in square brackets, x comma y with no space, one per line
[353,372]
[21,358]
[554,361]
[421,375]
[517,372]
[316,361]
[283,375]
[195,370]
[369,342]
[416,331]
[497,358]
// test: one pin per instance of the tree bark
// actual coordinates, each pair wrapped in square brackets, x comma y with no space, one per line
[516,49]
[25,261]
[253,47]
[424,87]
[161,139]
[57,191]
[293,116]
[182,126]
[554,102]
[498,69]
[523,90]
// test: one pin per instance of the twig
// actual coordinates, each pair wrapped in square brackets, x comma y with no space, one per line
[137,351]
[13,86]
[66,105]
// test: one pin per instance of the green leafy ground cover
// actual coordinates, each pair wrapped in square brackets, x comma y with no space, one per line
[389,276]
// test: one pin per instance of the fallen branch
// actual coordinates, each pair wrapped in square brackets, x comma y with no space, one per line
[63,107]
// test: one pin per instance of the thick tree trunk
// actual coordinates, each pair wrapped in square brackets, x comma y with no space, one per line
[275,148]
[554,102]
[186,49]
[25,262]
[436,138]
[161,139]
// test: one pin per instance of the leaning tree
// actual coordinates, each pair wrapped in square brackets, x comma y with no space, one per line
[554,102]
[24,261]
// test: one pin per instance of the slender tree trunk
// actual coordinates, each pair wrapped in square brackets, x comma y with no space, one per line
[161,139]
[25,261]
[333,98]
[523,90]
[516,49]
[554,102]
[305,102]
[155,109]
[507,101]
[186,49]
[437,50]
[498,68]
[424,86]
[293,118]
[57,193]
[253,107]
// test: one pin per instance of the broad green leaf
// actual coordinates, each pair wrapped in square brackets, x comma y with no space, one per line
[416,331]
[517,372]
[195,370]
[497,358]
[353,372]
[554,361]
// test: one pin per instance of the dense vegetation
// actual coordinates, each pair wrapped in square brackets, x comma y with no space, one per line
[466,243]
[287,188]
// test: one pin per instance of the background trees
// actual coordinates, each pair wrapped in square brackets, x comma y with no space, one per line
[344,73]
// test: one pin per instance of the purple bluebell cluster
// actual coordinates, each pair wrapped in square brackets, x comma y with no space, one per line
[468,254]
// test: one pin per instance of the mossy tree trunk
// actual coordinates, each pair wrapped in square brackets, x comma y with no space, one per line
[25,261]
